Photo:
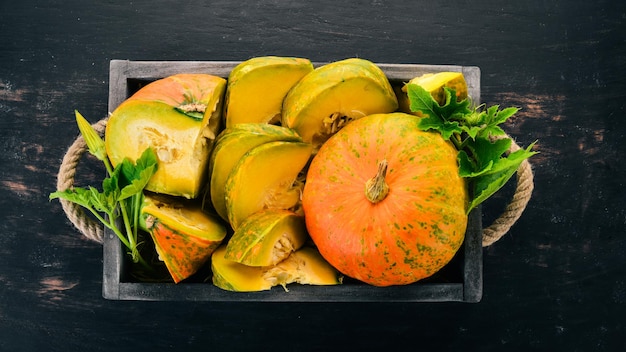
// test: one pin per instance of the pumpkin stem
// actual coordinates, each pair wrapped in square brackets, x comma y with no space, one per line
[376,188]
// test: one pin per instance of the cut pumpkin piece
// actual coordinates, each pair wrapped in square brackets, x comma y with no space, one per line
[230,146]
[376,71]
[178,117]
[304,266]
[334,94]
[267,238]
[184,235]
[265,178]
[435,83]
[256,88]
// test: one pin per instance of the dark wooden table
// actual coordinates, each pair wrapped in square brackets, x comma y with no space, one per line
[556,281]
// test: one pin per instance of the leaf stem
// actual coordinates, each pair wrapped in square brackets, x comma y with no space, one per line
[108,166]
[136,204]
[129,232]
[110,225]
[119,233]
[130,240]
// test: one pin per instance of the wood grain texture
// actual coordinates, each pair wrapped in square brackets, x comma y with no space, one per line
[556,281]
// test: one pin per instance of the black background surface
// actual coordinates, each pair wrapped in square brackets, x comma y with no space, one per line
[556,281]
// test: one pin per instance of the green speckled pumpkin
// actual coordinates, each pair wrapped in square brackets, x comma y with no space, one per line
[383,200]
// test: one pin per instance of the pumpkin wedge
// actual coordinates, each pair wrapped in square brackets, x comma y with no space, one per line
[267,237]
[334,94]
[304,266]
[179,117]
[265,178]
[384,202]
[184,235]
[256,88]
[231,144]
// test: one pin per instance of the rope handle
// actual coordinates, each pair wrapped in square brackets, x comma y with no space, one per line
[93,230]
[89,227]
[515,208]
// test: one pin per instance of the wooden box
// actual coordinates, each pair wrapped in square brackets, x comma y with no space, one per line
[461,280]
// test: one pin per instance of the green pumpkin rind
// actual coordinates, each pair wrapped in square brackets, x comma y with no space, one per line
[267,237]
[376,72]
[230,146]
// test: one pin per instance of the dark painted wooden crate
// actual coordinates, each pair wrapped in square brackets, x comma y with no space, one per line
[461,280]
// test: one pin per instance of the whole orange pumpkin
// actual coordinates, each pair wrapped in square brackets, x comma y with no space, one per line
[383,200]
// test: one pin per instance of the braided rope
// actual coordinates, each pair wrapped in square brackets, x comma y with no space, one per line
[515,208]
[94,230]
[89,227]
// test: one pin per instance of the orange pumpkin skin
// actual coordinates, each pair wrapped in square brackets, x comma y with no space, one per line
[410,234]
[176,89]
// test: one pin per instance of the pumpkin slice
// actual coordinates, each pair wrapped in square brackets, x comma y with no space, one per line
[267,237]
[184,235]
[230,146]
[256,88]
[304,266]
[332,95]
[178,116]
[434,83]
[376,72]
[265,178]
[384,202]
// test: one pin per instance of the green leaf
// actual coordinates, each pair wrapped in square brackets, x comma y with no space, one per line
[493,117]
[80,196]
[485,154]
[435,117]
[446,128]
[421,100]
[512,160]
[487,132]
[500,116]
[472,131]
[488,152]
[105,202]
[486,186]
[135,177]
[452,109]
[475,118]
[468,167]
[147,160]
[488,183]
[481,159]
[111,184]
